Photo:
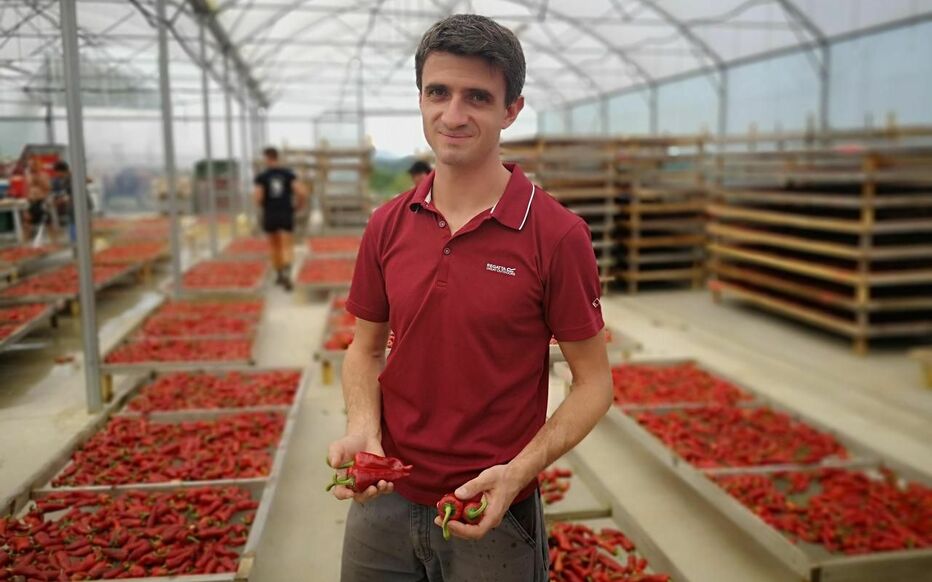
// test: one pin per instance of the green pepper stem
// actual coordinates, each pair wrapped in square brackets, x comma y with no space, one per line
[474,512]
[447,512]
[345,465]
[337,480]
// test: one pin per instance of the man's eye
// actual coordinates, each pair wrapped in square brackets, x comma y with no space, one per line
[480,98]
[434,91]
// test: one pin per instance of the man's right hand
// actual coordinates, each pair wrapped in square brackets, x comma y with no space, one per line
[344,450]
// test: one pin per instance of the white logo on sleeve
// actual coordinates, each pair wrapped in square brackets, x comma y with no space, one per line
[597,303]
[499,269]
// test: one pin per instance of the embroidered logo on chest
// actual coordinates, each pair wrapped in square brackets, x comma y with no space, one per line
[499,269]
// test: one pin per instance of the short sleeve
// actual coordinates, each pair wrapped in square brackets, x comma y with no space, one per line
[259,180]
[367,297]
[572,298]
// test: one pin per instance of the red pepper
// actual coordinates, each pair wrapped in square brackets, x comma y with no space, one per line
[449,508]
[98,570]
[20,543]
[367,469]
[475,508]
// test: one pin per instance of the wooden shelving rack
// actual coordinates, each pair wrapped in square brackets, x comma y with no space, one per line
[343,185]
[641,197]
[838,238]
[660,233]
[580,173]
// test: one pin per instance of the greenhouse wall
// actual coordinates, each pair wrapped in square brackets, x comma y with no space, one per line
[875,78]
[687,106]
[586,119]
[629,113]
[779,93]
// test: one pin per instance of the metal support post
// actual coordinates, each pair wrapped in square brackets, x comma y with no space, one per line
[653,107]
[825,89]
[69,26]
[723,102]
[232,179]
[168,136]
[49,113]
[205,97]
[247,152]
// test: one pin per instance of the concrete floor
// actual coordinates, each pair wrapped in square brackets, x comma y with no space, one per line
[879,397]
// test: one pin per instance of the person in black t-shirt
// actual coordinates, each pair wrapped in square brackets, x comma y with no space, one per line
[278,193]
[418,171]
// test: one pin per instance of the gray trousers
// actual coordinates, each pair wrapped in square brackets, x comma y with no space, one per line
[390,539]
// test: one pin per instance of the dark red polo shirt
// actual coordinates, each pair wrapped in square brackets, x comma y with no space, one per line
[465,386]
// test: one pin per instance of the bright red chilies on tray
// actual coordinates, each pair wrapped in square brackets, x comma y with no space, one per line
[132,450]
[91,536]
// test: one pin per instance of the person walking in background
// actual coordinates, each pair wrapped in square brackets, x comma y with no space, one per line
[418,171]
[63,199]
[38,187]
[279,194]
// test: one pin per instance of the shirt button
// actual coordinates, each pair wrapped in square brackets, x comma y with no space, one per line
[442,223]
[447,251]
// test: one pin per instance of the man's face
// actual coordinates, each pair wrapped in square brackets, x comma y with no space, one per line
[463,108]
[418,177]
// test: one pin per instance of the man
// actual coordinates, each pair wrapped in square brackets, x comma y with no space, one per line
[473,269]
[63,199]
[38,187]
[279,194]
[418,171]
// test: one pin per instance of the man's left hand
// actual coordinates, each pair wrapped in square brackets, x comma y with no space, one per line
[500,487]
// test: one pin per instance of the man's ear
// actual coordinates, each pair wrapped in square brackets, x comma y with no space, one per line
[512,111]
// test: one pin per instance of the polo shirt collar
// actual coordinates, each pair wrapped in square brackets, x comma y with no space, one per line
[511,210]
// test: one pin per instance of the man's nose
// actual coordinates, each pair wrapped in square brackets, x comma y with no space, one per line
[454,115]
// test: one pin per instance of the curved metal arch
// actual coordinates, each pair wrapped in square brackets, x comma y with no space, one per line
[551,12]
[791,9]
[686,32]
[572,21]
[337,12]
[820,63]
[575,69]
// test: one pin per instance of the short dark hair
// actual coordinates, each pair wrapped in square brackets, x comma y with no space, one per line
[471,35]
[61,166]
[419,167]
[271,153]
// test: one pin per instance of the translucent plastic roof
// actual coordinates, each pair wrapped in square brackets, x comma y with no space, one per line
[311,56]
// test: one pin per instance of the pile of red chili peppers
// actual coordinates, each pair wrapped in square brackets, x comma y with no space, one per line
[578,554]
[91,536]
[738,437]
[554,483]
[162,326]
[224,275]
[21,313]
[188,390]
[250,309]
[680,383]
[179,350]
[842,510]
[138,451]
[367,469]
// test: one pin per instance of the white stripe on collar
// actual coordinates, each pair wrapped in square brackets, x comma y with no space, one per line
[526,212]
